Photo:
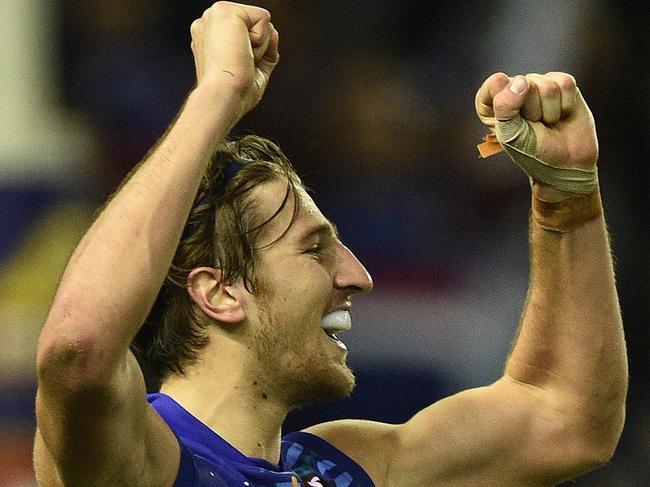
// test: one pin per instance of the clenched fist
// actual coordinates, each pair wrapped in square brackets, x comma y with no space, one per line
[235,50]
[553,108]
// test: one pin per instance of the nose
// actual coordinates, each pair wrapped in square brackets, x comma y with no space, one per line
[350,273]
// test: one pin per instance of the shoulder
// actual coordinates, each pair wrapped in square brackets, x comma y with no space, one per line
[356,449]
[98,428]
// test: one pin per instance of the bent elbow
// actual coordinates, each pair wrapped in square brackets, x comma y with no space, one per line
[64,358]
[595,443]
[69,357]
[605,448]
[594,456]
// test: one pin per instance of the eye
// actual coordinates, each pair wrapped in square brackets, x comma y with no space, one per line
[316,249]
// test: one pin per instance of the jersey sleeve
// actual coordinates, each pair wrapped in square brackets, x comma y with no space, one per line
[319,463]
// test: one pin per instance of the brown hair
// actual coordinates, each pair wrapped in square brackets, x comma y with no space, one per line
[220,232]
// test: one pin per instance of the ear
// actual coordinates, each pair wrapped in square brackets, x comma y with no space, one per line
[218,300]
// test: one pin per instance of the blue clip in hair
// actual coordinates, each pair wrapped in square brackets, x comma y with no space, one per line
[233,167]
[229,173]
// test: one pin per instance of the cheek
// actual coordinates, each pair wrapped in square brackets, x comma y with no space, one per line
[305,279]
[297,290]
[298,304]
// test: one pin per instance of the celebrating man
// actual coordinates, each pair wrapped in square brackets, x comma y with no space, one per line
[215,264]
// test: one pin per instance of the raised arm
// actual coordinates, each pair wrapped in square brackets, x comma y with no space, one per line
[570,345]
[559,408]
[94,424]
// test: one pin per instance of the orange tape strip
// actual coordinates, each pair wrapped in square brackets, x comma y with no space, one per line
[489,146]
[572,212]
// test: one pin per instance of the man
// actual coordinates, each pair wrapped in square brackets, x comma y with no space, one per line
[241,284]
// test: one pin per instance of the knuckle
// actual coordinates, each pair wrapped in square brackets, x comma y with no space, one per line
[500,103]
[500,78]
[548,88]
[265,14]
[218,8]
[567,82]
[195,27]
[535,79]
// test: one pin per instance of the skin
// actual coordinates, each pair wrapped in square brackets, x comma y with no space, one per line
[557,411]
[271,347]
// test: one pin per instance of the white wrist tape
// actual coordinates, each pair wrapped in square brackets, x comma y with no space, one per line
[520,143]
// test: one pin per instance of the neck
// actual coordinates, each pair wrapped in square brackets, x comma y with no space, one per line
[234,403]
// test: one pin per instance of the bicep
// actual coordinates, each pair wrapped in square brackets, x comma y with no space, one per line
[503,434]
[103,432]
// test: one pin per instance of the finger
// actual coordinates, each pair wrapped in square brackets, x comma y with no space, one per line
[196,62]
[196,32]
[507,103]
[260,40]
[550,98]
[568,91]
[259,21]
[532,108]
[194,27]
[271,57]
[196,35]
[272,54]
[485,96]
[254,15]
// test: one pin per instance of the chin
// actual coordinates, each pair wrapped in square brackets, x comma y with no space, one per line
[336,381]
[338,385]
[301,374]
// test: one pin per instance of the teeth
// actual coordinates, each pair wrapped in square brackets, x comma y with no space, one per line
[337,321]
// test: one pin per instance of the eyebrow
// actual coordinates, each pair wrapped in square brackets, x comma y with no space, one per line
[325,229]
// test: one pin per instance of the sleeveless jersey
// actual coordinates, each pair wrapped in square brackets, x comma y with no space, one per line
[207,460]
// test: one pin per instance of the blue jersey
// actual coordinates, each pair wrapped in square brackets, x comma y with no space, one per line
[207,460]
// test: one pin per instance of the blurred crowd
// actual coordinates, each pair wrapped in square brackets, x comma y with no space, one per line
[374,103]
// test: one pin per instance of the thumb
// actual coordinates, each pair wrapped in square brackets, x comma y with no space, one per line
[510,127]
[508,101]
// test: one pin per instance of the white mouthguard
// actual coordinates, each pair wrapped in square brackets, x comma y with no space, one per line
[336,321]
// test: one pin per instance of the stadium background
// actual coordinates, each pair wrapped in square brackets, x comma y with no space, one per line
[373,101]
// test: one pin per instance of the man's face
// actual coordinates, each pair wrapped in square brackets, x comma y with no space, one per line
[302,277]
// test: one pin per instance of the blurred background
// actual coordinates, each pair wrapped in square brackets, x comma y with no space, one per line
[374,103]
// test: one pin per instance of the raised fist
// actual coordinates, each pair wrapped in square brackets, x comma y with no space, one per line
[235,50]
[564,133]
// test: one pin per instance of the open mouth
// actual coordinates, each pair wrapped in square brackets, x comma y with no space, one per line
[338,342]
[336,322]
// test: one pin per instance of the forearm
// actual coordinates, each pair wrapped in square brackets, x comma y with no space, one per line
[571,341]
[116,271]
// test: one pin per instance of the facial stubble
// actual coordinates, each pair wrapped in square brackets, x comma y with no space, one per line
[296,368]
